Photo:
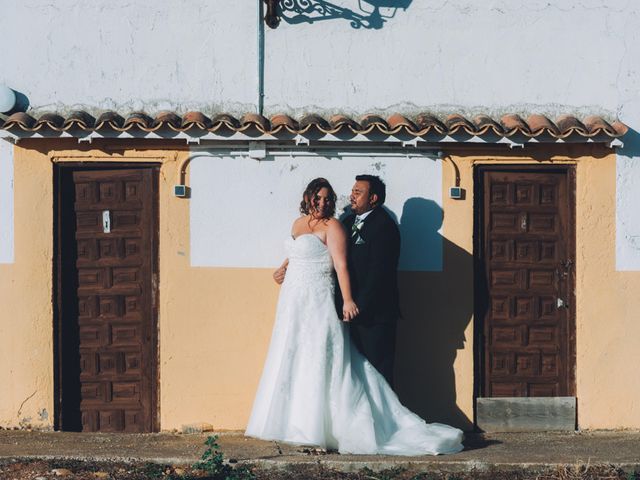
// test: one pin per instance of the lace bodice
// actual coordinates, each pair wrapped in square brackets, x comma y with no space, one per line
[309,260]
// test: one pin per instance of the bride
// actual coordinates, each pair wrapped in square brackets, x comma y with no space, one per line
[316,387]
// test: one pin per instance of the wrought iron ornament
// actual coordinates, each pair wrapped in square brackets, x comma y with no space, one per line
[311,11]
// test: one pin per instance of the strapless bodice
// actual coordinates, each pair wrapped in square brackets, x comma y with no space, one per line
[308,258]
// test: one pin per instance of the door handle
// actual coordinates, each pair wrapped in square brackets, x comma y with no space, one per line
[106,221]
[560,303]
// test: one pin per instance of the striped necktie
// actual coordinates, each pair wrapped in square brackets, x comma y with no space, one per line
[354,227]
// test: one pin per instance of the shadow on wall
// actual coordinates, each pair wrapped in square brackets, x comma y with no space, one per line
[631,141]
[437,307]
[367,14]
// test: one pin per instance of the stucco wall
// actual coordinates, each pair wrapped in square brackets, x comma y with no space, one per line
[26,366]
[523,56]
[213,340]
[6,202]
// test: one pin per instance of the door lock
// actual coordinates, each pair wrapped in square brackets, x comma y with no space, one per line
[560,303]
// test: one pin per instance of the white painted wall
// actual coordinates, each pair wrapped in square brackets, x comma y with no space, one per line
[6,202]
[266,195]
[628,214]
[523,56]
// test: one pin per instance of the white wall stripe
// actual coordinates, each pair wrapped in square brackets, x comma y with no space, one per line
[242,209]
[6,202]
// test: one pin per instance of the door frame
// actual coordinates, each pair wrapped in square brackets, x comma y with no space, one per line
[67,168]
[480,288]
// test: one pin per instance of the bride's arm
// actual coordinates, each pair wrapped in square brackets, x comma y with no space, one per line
[337,244]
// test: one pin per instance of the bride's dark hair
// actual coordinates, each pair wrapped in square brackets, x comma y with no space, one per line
[310,202]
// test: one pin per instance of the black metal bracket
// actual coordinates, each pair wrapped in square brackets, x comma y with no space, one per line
[271,18]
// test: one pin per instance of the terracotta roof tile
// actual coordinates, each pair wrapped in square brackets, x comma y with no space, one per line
[485,124]
[225,120]
[371,122]
[51,120]
[457,123]
[21,120]
[171,119]
[80,120]
[109,120]
[338,122]
[254,120]
[309,121]
[139,119]
[430,123]
[568,125]
[540,124]
[196,119]
[82,123]
[514,124]
[282,121]
[398,122]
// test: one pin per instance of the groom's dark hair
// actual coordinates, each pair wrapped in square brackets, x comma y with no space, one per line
[376,185]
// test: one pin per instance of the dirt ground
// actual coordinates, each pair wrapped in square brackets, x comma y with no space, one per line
[88,470]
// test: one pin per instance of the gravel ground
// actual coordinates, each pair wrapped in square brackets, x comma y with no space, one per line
[79,470]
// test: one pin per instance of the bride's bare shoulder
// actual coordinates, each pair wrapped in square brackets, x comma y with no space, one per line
[334,225]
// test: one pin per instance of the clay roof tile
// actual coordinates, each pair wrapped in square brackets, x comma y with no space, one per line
[51,120]
[254,120]
[313,120]
[456,122]
[428,123]
[171,119]
[110,119]
[196,119]
[539,124]
[423,124]
[485,124]
[342,121]
[140,120]
[514,124]
[20,120]
[280,121]
[397,122]
[224,120]
[80,119]
[372,121]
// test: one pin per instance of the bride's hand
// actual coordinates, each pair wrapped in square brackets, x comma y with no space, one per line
[349,311]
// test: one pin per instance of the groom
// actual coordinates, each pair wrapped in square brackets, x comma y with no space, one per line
[372,258]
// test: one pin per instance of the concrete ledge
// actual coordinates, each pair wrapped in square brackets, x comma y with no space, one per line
[534,414]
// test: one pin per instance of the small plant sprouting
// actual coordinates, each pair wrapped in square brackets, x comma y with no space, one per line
[212,463]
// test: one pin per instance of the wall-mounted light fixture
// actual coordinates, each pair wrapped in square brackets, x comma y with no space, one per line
[271,17]
[7,99]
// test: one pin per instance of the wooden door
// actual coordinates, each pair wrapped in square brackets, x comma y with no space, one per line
[108,315]
[527,258]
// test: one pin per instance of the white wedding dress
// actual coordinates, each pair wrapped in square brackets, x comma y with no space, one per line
[316,387]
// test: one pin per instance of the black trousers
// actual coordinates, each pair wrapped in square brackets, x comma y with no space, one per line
[378,344]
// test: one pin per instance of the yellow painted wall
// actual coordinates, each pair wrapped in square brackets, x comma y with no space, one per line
[215,323]
[608,308]
[26,351]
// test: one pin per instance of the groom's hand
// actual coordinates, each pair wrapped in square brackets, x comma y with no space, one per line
[279,274]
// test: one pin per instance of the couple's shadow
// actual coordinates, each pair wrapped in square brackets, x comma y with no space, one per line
[436,297]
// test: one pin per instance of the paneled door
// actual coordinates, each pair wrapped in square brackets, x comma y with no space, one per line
[108,315]
[527,263]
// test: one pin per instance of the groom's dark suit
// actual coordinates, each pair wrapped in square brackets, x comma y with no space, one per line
[372,260]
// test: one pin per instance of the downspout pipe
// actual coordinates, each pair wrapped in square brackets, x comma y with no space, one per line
[260,57]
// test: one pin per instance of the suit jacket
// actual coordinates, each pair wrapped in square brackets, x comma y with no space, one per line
[373,267]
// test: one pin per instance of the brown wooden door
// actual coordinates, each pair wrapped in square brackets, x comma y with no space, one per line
[526,243]
[108,341]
